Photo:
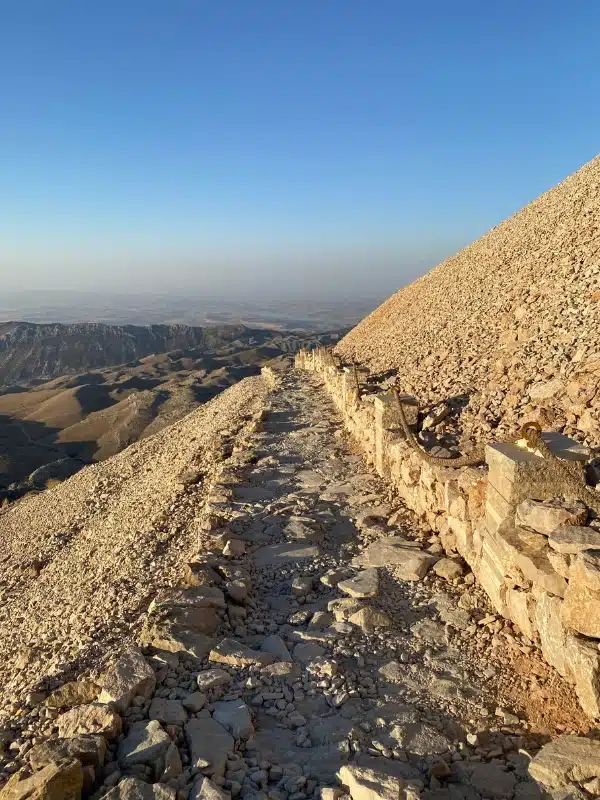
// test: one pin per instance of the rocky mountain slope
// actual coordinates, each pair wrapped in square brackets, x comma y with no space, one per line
[507,330]
[30,352]
[50,430]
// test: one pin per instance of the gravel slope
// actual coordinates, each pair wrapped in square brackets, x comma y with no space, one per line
[509,325]
[79,562]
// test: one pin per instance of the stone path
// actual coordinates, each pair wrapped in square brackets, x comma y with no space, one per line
[320,640]
[334,667]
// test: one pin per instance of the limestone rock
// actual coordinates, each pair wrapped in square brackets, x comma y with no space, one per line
[369,619]
[130,677]
[231,652]
[492,781]
[171,638]
[169,712]
[448,568]
[404,557]
[307,651]
[365,783]
[172,763]
[93,718]
[194,702]
[420,739]
[237,590]
[333,576]
[585,569]
[205,789]
[75,693]
[573,539]
[364,584]
[211,678]
[344,608]
[544,517]
[286,670]
[234,716]
[135,789]
[62,780]
[209,743]
[393,671]
[235,548]
[90,750]
[581,609]
[276,646]
[145,743]
[566,759]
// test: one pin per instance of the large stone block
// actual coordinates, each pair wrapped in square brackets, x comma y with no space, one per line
[553,636]
[544,517]
[498,510]
[518,474]
[528,551]
[582,659]
[520,608]
[581,609]
[463,535]
[386,411]
[491,573]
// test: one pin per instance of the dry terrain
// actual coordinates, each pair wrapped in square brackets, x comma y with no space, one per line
[300,656]
[507,330]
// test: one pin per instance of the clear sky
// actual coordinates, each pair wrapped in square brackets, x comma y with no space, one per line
[226,144]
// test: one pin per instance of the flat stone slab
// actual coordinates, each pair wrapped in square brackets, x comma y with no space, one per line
[405,557]
[544,517]
[566,759]
[209,742]
[573,539]
[364,584]
[238,655]
[275,554]
[234,716]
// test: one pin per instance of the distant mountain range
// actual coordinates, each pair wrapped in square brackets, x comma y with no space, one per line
[73,394]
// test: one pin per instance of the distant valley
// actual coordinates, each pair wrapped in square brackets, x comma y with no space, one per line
[74,394]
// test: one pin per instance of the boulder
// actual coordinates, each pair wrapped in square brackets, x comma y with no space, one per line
[90,750]
[448,569]
[276,646]
[235,717]
[235,548]
[566,759]
[365,783]
[194,702]
[363,584]
[169,712]
[369,619]
[238,655]
[344,608]
[585,569]
[170,637]
[406,558]
[205,789]
[419,739]
[209,744]
[307,651]
[93,718]
[75,693]
[130,677]
[135,789]
[55,781]
[493,781]
[146,743]
[544,517]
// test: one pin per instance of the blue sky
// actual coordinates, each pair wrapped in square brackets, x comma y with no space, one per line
[232,144]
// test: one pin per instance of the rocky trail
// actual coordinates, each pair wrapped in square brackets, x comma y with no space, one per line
[320,643]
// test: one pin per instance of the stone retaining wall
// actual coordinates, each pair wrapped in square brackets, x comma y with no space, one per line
[547,585]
